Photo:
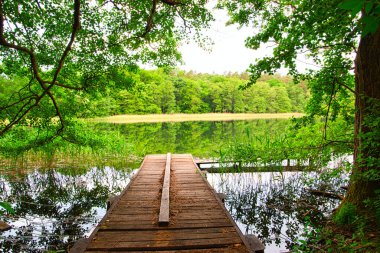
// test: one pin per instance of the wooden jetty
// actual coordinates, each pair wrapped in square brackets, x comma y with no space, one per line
[167,207]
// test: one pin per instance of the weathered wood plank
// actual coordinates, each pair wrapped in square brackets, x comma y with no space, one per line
[180,234]
[198,222]
[225,249]
[163,218]
[154,225]
[168,245]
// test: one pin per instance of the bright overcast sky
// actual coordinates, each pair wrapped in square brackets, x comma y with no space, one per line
[228,54]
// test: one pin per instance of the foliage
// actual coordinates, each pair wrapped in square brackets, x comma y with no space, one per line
[135,91]
[80,147]
[6,207]
[124,145]
[329,240]
[371,142]
[370,21]
[319,29]
[307,144]
[374,204]
[346,215]
[67,48]
[330,33]
[156,91]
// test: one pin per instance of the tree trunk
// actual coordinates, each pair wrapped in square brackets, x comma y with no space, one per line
[367,74]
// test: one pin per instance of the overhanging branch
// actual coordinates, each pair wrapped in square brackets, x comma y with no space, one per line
[172,3]
[149,23]
[75,29]
[33,100]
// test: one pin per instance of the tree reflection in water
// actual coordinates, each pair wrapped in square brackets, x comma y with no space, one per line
[56,207]
[275,206]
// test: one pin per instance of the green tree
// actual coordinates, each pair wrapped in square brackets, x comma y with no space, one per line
[297,97]
[330,32]
[188,95]
[257,98]
[280,100]
[72,46]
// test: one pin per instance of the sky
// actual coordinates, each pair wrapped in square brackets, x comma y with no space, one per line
[228,54]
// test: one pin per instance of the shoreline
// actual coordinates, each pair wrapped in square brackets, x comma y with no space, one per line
[183,117]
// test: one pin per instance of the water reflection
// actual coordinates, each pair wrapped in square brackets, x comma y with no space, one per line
[57,207]
[201,139]
[275,206]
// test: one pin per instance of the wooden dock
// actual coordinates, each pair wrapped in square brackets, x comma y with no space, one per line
[165,212]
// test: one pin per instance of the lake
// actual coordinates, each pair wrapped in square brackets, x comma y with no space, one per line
[57,206]
[201,139]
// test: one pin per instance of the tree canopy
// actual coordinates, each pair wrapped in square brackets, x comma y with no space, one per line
[60,49]
[342,39]
[157,91]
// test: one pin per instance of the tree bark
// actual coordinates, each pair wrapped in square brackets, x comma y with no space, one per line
[367,88]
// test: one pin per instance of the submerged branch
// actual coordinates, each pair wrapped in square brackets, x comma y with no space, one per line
[326,194]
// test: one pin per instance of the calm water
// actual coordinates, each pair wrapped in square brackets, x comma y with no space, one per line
[274,205]
[56,207]
[201,139]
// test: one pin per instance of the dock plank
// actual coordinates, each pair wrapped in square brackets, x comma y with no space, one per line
[163,217]
[198,220]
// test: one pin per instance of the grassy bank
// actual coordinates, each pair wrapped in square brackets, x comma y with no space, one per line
[151,118]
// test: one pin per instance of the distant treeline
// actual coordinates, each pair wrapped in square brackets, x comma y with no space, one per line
[157,91]
[139,91]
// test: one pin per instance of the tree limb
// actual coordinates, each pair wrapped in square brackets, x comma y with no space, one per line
[23,111]
[172,3]
[184,20]
[348,88]
[57,110]
[76,27]
[149,23]
[5,43]
[17,102]
[67,86]
[16,119]
[328,111]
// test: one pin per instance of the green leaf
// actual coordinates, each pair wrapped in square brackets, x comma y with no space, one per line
[377,10]
[368,7]
[352,5]
[370,23]
[7,207]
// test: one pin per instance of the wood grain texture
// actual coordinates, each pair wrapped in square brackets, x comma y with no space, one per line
[163,217]
[198,221]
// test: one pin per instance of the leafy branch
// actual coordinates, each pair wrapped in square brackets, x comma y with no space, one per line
[34,100]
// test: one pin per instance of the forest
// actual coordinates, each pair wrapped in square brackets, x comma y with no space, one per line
[155,91]
[140,91]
